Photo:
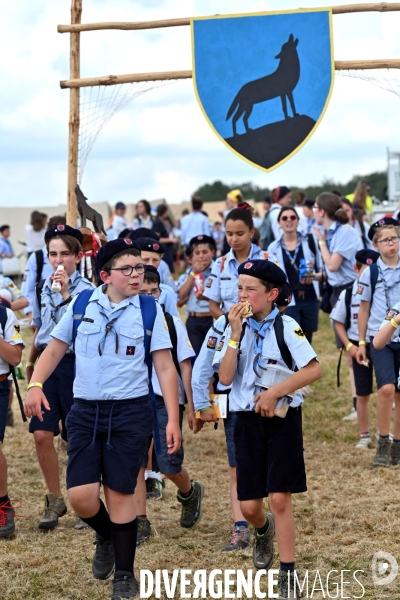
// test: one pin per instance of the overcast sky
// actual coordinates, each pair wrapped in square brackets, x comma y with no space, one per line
[160,145]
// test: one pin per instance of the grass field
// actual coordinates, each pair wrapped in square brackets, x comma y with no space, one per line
[350,510]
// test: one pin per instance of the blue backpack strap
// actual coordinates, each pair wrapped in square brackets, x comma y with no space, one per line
[373,270]
[148,309]
[3,318]
[78,310]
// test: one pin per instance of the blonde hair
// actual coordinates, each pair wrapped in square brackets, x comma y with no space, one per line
[377,235]
[360,194]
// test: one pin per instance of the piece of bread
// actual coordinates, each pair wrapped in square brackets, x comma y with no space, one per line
[248,312]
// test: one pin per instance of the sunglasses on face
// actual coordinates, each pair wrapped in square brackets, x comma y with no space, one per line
[289,218]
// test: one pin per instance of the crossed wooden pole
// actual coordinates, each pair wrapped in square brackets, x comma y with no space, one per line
[75,82]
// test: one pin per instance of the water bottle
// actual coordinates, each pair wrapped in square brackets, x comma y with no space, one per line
[56,285]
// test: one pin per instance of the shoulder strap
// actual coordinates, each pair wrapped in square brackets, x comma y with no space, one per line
[373,270]
[283,348]
[348,295]
[3,318]
[38,290]
[39,265]
[311,243]
[3,322]
[78,310]
[174,340]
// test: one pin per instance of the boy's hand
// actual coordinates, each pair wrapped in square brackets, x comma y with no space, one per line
[63,278]
[361,355]
[174,437]
[194,424]
[353,352]
[266,402]
[35,399]
[208,416]
[235,319]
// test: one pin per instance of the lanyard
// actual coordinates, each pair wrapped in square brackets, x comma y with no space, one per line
[292,259]
[109,326]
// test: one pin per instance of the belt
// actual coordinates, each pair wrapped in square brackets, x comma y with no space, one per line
[4,376]
[195,314]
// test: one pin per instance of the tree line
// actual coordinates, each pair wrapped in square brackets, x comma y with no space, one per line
[212,192]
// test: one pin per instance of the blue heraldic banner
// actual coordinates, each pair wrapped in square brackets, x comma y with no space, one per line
[264,81]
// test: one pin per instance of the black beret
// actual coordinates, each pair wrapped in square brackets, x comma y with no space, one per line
[367,257]
[63,230]
[143,232]
[285,296]
[381,223]
[265,270]
[309,203]
[202,239]
[151,269]
[112,248]
[126,232]
[151,245]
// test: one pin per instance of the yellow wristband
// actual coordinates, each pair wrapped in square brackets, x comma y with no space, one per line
[233,344]
[192,274]
[321,243]
[29,364]
[393,323]
[362,343]
[35,384]
[349,345]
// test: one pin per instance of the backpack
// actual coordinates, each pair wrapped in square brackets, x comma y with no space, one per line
[266,232]
[3,322]
[39,265]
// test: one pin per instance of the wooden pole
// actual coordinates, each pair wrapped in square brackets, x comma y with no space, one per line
[340,65]
[336,10]
[73,131]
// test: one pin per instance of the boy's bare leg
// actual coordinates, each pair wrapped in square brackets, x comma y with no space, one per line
[384,408]
[253,512]
[363,413]
[3,472]
[237,513]
[281,507]
[181,480]
[140,493]
[84,499]
[48,460]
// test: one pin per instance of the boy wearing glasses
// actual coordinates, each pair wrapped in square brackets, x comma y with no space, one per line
[64,248]
[111,419]
[152,253]
[379,290]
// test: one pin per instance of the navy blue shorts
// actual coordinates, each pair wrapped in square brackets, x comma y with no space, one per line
[305,312]
[386,364]
[229,427]
[363,375]
[269,454]
[197,328]
[168,464]
[107,442]
[4,393]
[58,391]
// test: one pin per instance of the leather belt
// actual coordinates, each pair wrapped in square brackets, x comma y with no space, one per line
[4,376]
[195,314]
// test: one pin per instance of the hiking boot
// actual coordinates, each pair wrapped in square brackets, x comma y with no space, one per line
[154,489]
[7,524]
[381,458]
[143,531]
[54,508]
[191,506]
[364,441]
[79,524]
[287,586]
[10,418]
[352,416]
[240,539]
[395,453]
[103,559]
[124,586]
[263,549]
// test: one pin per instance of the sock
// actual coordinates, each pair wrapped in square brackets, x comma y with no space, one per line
[355,403]
[241,524]
[4,499]
[384,437]
[187,494]
[263,529]
[153,475]
[394,441]
[100,522]
[364,433]
[287,566]
[143,516]
[124,537]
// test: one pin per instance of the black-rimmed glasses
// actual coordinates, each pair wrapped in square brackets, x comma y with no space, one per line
[156,293]
[128,269]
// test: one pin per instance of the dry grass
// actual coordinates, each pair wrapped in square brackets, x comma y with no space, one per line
[350,511]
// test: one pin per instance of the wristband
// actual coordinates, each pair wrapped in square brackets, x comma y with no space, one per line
[233,344]
[362,343]
[192,274]
[321,243]
[349,345]
[35,384]
[393,323]
[29,364]
[204,409]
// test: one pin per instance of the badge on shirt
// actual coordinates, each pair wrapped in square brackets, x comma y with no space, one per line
[11,285]
[130,350]
[271,361]
[220,346]
[360,289]
[355,317]
[189,343]
[209,282]
[17,334]
[391,314]
[211,342]
[165,325]
[299,332]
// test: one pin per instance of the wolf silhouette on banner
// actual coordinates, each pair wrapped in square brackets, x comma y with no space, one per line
[234,57]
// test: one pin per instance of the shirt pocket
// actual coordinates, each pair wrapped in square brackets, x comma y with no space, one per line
[131,342]
[229,289]
[87,339]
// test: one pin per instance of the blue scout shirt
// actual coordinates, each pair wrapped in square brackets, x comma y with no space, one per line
[46,316]
[343,240]
[222,285]
[8,284]
[12,336]
[119,372]
[339,312]
[168,299]
[195,305]
[243,390]
[396,332]
[386,293]
[30,276]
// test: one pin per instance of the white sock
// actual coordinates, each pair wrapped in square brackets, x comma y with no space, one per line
[149,474]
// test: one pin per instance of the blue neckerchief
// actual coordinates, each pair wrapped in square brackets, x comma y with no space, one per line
[292,259]
[260,329]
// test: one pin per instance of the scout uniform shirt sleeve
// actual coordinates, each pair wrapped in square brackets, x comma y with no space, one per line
[36,313]
[212,287]
[160,339]
[10,285]
[364,291]
[339,310]
[12,331]
[345,242]
[184,349]
[301,350]
[221,348]
[168,300]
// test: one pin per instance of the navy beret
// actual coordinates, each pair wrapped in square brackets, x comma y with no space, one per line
[151,269]
[63,230]
[126,232]
[143,232]
[367,257]
[265,270]
[381,223]
[309,203]
[151,245]
[285,295]
[112,248]
[202,239]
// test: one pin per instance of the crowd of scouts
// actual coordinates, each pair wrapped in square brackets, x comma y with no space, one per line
[124,432]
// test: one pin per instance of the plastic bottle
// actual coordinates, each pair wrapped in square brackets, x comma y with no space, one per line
[56,285]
